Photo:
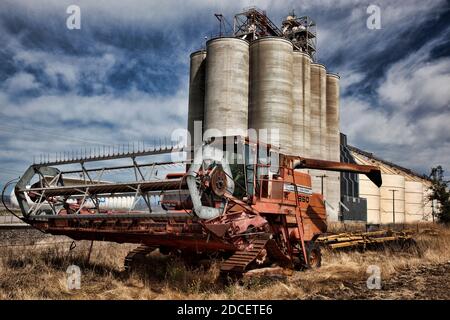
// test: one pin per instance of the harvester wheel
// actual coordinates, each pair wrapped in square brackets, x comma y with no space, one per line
[314,256]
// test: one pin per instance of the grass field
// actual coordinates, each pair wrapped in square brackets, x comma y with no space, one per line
[39,272]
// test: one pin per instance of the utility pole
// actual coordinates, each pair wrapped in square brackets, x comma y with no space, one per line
[393,205]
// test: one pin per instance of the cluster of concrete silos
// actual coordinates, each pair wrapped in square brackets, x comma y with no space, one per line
[265,84]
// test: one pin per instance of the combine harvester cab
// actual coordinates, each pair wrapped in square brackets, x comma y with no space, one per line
[240,200]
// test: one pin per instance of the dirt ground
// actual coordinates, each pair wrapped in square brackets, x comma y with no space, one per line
[422,282]
[38,271]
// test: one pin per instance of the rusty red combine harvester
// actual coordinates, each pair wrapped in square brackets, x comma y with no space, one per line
[239,200]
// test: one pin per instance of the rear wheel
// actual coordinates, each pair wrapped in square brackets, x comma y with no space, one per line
[314,256]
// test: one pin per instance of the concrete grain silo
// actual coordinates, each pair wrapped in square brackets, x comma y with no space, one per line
[301,118]
[332,116]
[390,200]
[227,77]
[318,125]
[414,204]
[196,92]
[318,111]
[333,140]
[271,83]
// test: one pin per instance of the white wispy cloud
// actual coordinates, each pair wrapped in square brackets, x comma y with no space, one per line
[21,81]
[407,119]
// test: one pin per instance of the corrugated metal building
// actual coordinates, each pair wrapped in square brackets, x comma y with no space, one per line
[403,197]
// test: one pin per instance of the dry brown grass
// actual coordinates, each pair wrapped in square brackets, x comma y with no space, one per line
[39,272]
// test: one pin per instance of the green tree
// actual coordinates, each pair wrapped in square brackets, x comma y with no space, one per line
[440,193]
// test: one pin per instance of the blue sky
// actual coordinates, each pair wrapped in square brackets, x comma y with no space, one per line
[124,76]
